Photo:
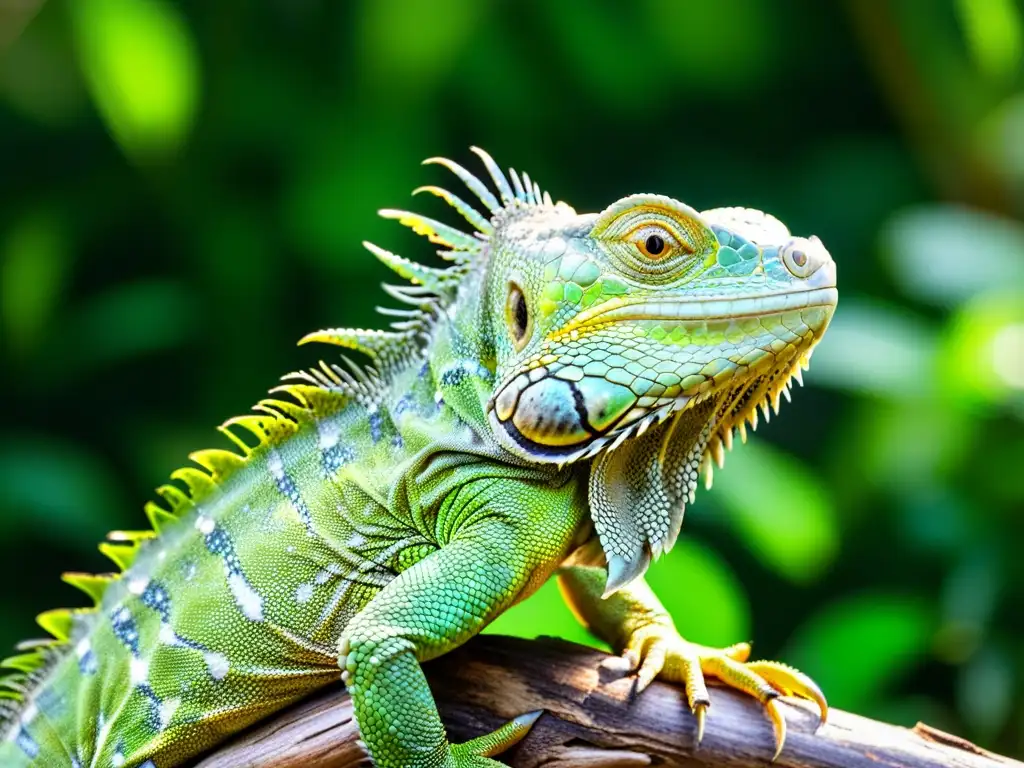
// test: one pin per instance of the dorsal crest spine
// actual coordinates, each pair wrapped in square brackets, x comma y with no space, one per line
[314,394]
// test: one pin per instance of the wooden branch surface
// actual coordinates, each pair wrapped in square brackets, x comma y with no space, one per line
[592,721]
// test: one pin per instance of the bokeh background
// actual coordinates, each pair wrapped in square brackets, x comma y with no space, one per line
[183,190]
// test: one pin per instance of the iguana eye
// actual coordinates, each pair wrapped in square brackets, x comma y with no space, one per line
[656,243]
[517,315]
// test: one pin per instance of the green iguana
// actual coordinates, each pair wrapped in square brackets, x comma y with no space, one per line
[544,406]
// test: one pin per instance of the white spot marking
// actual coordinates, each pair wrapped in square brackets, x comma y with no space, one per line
[218,664]
[117,760]
[168,636]
[329,433]
[325,575]
[82,648]
[205,525]
[138,585]
[275,465]
[167,709]
[139,671]
[246,597]
[356,540]
[303,593]
[29,713]
[190,571]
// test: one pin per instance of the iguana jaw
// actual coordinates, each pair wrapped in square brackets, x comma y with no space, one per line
[555,411]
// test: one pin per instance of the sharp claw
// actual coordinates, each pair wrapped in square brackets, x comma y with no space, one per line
[778,726]
[789,681]
[700,712]
[527,720]
[498,741]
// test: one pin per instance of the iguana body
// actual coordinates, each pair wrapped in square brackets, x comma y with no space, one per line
[546,404]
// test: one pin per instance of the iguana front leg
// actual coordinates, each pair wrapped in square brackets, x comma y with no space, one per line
[634,622]
[503,543]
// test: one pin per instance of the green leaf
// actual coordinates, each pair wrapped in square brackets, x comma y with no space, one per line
[703,595]
[32,264]
[780,510]
[945,254]
[411,44]
[903,447]
[543,613]
[855,648]
[995,36]
[140,65]
[876,349]
[997,138]
[982,358]
[711,609]
[985,691]
[727,47]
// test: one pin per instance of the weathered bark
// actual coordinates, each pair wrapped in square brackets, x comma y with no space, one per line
[593,721]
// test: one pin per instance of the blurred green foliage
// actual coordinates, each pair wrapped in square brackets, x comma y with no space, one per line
[185,186]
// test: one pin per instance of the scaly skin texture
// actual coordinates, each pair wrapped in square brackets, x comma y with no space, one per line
[545,404]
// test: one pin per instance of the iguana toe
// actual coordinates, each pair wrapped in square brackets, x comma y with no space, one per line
[475,753]
[660,652]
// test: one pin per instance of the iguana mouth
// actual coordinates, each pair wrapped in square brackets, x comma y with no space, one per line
[734,407]
[722,308]
[556,409]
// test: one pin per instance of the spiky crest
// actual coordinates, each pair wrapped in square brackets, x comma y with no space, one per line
[314,394]
[433,289]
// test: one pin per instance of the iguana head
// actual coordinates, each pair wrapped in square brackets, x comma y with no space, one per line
[608,324]
[637,339]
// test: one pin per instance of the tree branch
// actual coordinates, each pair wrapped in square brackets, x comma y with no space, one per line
[592,721]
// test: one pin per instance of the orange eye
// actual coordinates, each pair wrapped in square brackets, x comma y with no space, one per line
[655,243]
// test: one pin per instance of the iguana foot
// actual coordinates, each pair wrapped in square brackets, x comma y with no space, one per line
[657,650]
[476,752]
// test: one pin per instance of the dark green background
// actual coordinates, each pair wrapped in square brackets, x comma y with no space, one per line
[184,186]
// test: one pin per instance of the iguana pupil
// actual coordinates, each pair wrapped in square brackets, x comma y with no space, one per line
[655,245]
